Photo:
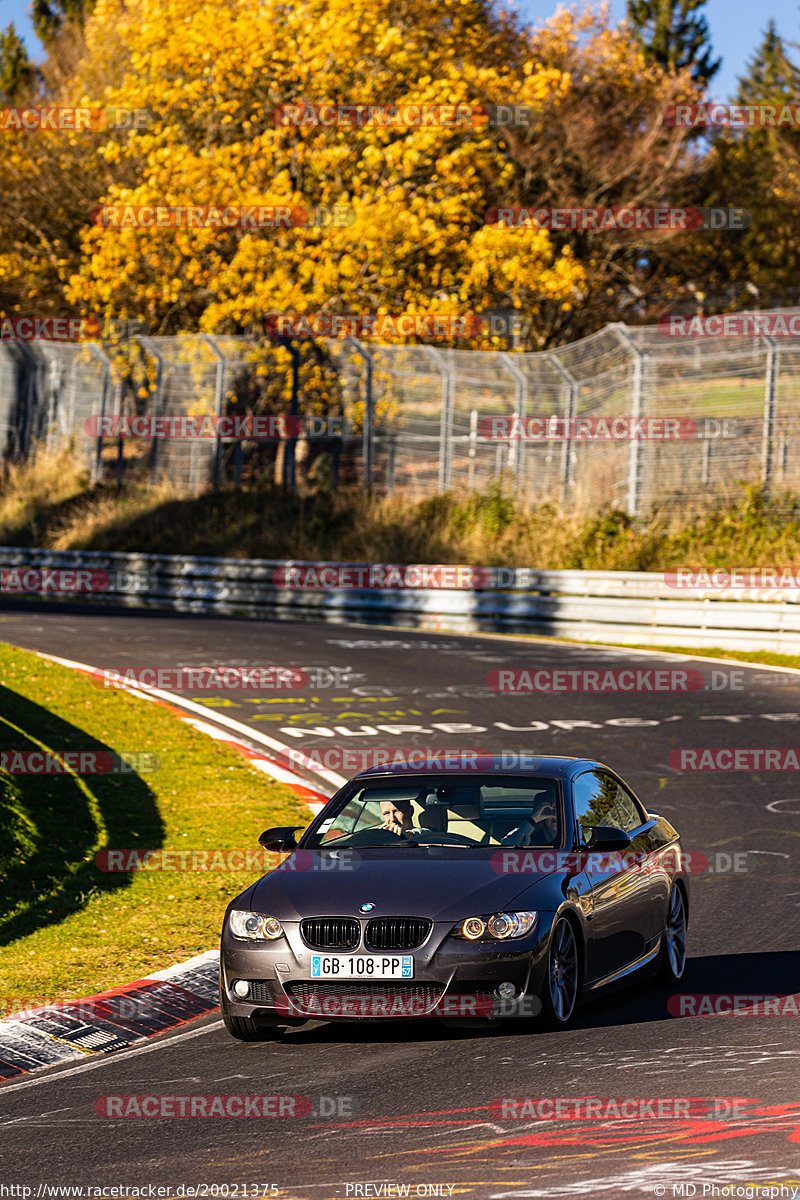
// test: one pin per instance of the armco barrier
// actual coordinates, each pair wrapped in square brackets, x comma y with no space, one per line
[592,606]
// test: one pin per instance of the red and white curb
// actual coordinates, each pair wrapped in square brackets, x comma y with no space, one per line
[118,1018]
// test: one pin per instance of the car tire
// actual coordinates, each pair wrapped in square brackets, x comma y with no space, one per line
[672,956]
[245,1029]
[561,986]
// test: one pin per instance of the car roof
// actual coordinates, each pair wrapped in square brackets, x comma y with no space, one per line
[554,766]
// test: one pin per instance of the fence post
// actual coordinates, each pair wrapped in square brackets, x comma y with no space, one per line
[30,398]
[768,424]
[219,400]
[152,349]
[521,409]
[446,427]
[572,406]
[103,358]
[473,447]
[368,431]
[637,409]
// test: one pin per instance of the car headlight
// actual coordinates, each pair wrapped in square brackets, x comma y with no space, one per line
[498,927]
[254,926]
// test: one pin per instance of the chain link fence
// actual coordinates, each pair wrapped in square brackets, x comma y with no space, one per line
[576,427]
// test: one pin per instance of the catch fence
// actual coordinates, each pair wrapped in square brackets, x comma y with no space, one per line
[576,426]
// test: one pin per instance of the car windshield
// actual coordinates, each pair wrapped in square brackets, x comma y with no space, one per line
[498,812]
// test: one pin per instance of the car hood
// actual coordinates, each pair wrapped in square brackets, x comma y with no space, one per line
[410,883]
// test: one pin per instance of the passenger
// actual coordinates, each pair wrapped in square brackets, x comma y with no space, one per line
[539,829]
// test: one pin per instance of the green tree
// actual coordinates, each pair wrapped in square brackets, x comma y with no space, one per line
[757,169]
[17,72]
[673,33]
[51,16]
[771,74]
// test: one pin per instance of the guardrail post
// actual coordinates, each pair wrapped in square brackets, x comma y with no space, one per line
[521,408]
[768,425]
[152,349]
[637,408]
[446,427]
[572,408]
[102,357]
[368,430]
[219,400]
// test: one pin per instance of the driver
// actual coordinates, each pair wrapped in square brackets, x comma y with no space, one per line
[398,817]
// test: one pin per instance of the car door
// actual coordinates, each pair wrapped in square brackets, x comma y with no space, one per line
[622,910]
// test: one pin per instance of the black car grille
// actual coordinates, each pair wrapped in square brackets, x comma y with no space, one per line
[331,933]
[397,933]
[311,990]
[260,992]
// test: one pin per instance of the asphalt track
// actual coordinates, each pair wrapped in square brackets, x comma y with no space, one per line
[415,1104]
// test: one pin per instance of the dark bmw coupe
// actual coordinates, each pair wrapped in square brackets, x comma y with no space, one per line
[458,894]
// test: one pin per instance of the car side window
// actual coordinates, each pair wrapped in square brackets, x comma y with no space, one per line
[593,798]
[628,814]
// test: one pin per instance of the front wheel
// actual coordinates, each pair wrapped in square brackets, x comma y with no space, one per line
[560,992]
[672,959]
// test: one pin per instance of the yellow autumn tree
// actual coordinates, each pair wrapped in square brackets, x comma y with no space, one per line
[213,74]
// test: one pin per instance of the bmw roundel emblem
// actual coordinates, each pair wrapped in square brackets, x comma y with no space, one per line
[367,907]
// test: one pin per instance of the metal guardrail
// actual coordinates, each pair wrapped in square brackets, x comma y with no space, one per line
[592,606]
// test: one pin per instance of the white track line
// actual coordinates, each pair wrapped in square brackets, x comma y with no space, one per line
[217,719]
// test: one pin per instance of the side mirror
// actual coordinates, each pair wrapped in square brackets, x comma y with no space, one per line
[280,838]
[608,837]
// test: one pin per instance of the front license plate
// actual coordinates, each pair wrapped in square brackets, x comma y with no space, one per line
[362,966]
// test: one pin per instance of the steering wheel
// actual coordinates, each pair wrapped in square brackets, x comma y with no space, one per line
[448,839]
[370,837]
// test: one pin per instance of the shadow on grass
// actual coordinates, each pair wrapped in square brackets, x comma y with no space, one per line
[60,876]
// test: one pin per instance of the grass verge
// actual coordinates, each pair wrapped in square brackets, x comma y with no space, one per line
[68,929]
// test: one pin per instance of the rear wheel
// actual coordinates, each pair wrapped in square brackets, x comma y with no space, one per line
[560,993]
[672,960]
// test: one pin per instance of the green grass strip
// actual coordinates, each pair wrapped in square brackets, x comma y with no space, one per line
[68,929]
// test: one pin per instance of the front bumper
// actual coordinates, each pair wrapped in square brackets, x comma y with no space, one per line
[452,979]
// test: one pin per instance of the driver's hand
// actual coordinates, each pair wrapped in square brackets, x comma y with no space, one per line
[393,826]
